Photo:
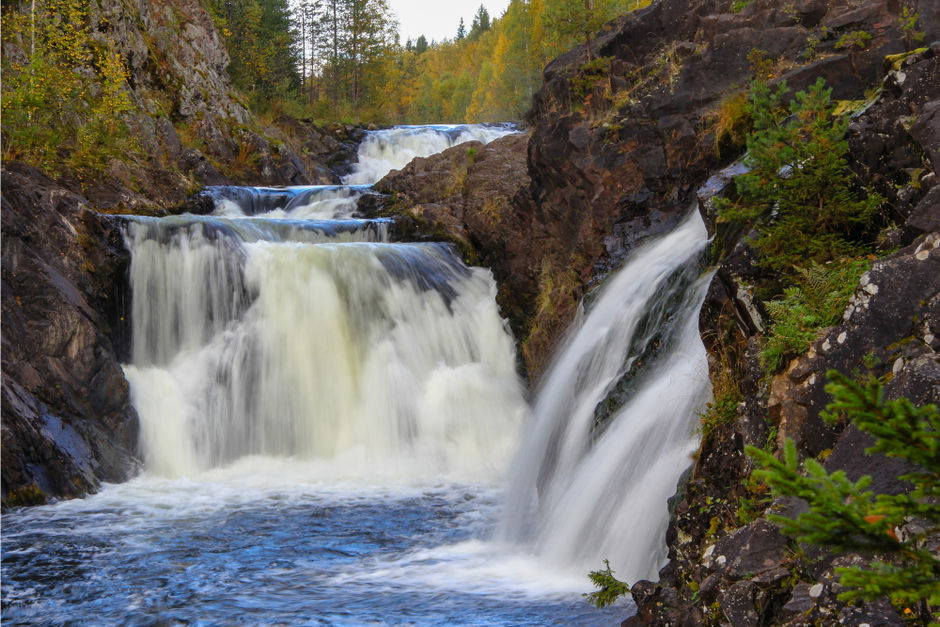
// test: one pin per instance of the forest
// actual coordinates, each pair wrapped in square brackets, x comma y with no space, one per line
[344,59]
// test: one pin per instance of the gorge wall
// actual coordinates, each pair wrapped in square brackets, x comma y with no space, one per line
[620,151]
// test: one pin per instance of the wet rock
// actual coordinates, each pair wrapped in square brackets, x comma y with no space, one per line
[67,419]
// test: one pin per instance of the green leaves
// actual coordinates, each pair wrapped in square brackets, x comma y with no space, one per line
[846,516]
[817,300]
[799,193]
[609,587]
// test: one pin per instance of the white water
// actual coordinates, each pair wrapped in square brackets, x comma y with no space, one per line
[392,357]
[319,202]
[603,496]
[392,149]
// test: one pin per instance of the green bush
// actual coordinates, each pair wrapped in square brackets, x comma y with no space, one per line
[64,106]
[844,516]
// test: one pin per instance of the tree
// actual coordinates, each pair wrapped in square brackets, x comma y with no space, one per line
[421,45]
[480,24]
[461,30]
[259,37]
[844,516]
[799,192]
[64,103]
[568,19]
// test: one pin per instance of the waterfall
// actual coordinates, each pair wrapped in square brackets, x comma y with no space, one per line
[601,482]
[271,335]
[392,149]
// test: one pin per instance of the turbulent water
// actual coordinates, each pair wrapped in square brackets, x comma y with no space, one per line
[601,482]
[328,419]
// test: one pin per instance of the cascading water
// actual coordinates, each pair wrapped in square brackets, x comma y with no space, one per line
[383,151]
[326,417]
[601,482]
[390,354]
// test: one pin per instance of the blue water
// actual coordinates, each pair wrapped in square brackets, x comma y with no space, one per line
[239,549]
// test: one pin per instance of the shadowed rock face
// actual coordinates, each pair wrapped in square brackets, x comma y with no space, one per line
[67,419]
[615,157]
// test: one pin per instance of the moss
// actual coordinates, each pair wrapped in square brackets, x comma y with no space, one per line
[733,123]
[26,495]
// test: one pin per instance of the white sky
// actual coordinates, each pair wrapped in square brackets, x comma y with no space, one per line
[438,19]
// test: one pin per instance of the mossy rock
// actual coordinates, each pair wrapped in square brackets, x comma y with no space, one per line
[26,495]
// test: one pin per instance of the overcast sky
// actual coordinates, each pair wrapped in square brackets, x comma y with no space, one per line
[438,19]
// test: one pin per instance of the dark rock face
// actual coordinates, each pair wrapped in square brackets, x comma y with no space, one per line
[67,420]
[617,156]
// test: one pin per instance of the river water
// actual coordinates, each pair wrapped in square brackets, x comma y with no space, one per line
[333,432]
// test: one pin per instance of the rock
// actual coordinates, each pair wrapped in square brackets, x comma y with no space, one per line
[876,614]
[67,419]
[800,603]
[893,143]
[882,313]
[751,550]
[478,197]
[737,604]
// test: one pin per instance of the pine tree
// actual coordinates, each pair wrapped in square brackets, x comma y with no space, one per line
[421,45]
[799,192]
[844,516]
[480,24]
[461,31]
[569,20]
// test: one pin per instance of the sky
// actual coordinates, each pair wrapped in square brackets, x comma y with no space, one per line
[438,19]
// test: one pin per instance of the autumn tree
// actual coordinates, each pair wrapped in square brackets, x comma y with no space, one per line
[66,94]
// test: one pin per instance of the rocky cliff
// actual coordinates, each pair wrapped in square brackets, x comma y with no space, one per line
[67,418]
[728,563]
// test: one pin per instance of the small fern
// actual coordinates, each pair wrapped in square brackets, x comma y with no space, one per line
[817,301]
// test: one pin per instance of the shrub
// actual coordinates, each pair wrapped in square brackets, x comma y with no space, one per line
[64,106]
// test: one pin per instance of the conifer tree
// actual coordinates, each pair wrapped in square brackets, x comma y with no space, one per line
[799,192]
